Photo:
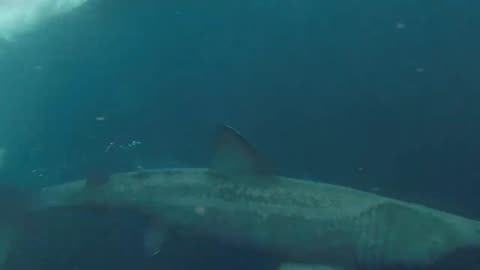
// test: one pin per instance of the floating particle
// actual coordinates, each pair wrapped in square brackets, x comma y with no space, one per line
[109,146]
[200,210]
[400,25]
[134,143]
[419,70]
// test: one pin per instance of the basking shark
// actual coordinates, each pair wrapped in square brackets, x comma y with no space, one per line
[21,16]
[305,224]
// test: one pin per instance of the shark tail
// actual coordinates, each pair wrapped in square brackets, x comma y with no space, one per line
[14,208]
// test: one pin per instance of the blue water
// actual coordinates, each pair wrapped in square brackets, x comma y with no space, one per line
[378,95]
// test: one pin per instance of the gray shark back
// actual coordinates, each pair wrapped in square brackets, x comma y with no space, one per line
[298,220]
[240,202]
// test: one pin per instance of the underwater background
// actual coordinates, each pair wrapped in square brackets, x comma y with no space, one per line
[378,95]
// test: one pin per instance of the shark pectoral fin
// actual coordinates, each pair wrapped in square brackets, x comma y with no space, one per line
[237,158]
[154,238]
[296,266]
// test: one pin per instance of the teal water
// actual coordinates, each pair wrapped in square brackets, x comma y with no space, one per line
[378,95]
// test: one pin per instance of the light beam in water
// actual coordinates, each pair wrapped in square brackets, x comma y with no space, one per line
[22,16]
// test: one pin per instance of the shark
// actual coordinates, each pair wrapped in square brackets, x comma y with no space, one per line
[240,201]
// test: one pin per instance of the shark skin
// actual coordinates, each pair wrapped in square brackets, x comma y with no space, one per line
[302,222]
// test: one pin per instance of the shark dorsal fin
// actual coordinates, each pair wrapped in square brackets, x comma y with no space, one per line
[235,156]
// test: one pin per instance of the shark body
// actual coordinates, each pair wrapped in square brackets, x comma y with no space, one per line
[304,223]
